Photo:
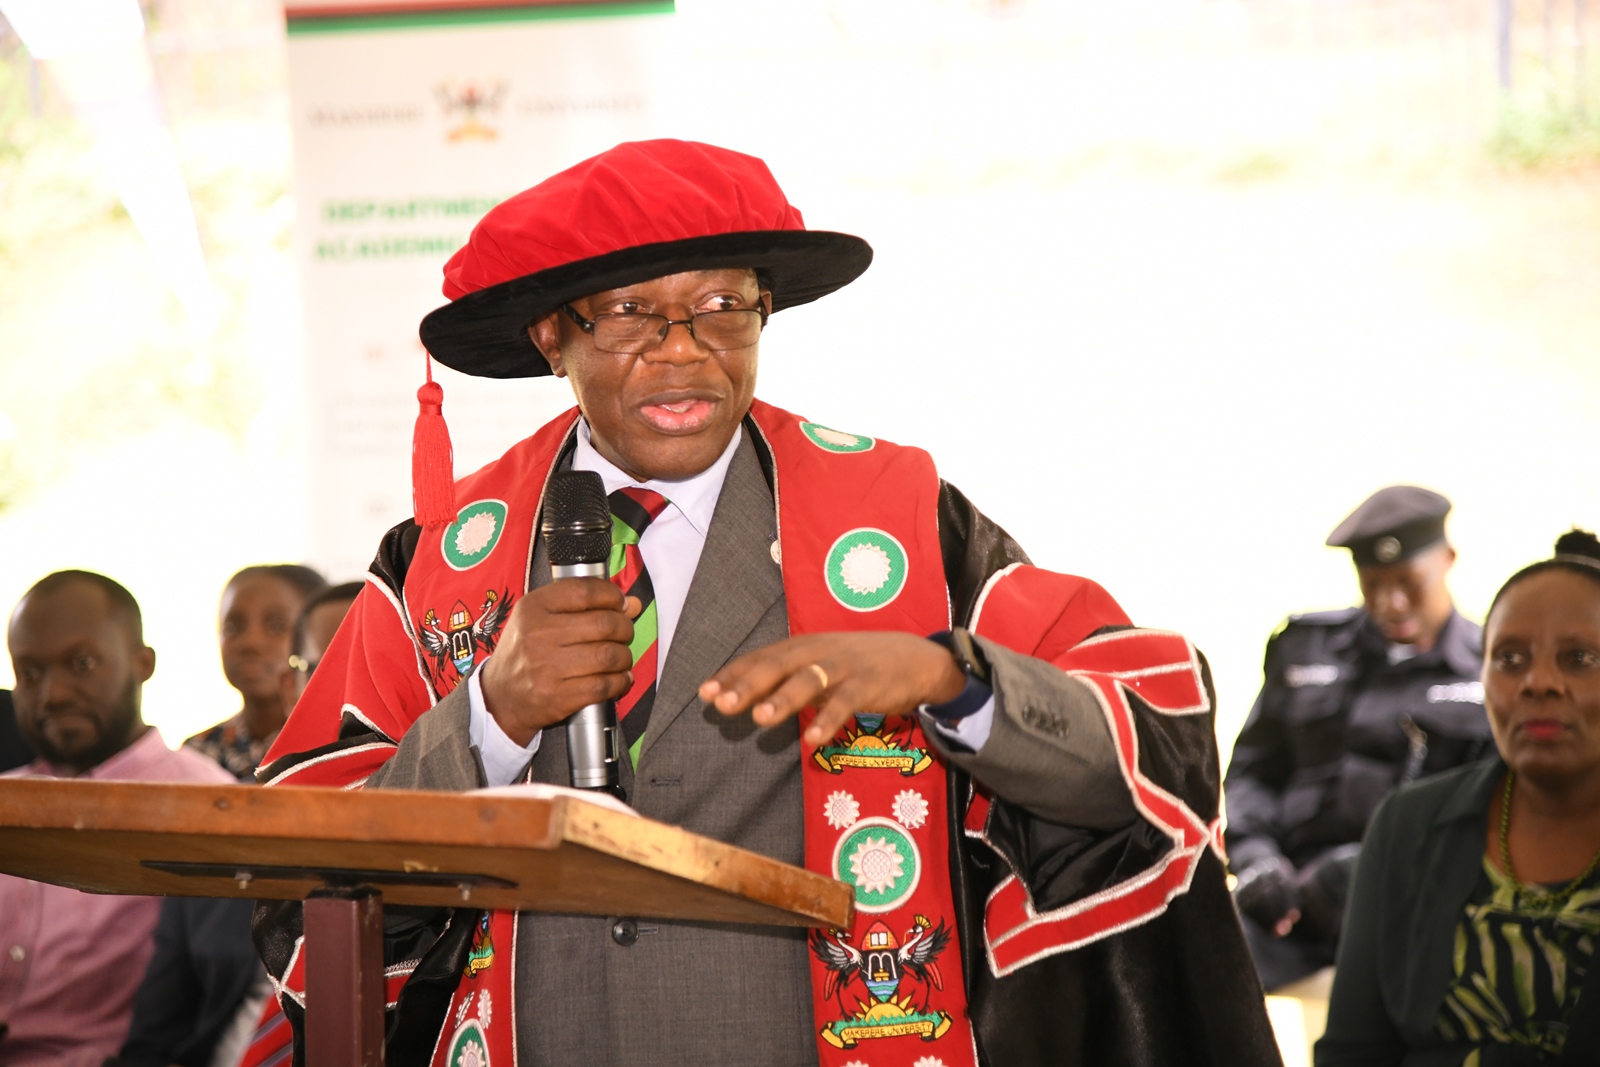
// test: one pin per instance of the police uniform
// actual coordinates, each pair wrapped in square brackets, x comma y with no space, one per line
[1343,718]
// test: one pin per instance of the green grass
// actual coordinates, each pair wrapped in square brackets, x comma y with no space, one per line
[1545,128]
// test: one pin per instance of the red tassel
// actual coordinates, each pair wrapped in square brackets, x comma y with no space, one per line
[433,477]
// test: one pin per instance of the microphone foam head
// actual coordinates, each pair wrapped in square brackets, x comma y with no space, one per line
[577,518]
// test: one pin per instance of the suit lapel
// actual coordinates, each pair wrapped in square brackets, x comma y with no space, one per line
[734,585]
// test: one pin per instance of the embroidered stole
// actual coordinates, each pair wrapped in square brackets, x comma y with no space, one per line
[859,547]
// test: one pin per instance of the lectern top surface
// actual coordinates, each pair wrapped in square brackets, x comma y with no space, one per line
[558,854]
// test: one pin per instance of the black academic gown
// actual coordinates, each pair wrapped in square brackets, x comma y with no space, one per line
[1177,989]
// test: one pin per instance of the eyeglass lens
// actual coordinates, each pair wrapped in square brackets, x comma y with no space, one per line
[717,330]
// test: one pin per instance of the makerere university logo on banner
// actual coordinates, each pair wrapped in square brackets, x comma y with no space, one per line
[477,109]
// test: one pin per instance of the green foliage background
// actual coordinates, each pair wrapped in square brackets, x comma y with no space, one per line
[95,347]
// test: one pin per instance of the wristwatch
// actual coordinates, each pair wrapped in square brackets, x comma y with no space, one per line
[969,657]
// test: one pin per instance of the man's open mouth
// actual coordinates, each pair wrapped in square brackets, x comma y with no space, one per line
[676,415]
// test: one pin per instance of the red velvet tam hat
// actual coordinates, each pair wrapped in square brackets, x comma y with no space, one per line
[641,210]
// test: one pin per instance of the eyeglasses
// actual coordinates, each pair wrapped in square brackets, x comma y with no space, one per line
[632,333]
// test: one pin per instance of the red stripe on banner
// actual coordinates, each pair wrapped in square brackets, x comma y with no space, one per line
[314,9]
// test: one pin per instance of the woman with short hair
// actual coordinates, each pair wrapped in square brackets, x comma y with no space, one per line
[1471,932]
[255,634]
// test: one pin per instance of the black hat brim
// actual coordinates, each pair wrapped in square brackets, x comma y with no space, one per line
[485,333]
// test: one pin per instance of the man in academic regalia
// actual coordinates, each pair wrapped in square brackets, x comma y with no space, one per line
[818,650]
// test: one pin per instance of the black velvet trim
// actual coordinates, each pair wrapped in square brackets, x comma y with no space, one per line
[347,739]
[973,548]
[486,333]
[769,469]
[424,1006]
[395,551]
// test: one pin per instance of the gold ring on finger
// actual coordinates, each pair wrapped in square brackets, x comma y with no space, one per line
[822,675]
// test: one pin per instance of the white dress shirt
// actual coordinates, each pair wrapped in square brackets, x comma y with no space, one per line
[671,547]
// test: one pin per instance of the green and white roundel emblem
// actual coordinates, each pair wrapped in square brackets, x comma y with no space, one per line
[866,568]
[469,540]
[880,860]
[468,1047]
[831,440]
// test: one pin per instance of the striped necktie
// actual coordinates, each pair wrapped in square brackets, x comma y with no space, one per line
[272,1044]
[632,512]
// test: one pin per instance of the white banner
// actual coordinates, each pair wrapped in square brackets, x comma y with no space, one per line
[408,125]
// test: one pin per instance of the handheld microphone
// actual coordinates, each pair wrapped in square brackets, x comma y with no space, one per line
[577,536]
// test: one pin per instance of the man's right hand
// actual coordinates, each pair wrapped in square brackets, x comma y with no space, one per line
[1266,893]
[564,647]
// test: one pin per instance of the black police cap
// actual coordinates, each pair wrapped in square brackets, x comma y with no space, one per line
[1393,524]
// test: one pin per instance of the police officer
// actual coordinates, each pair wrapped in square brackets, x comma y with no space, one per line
[1356,703]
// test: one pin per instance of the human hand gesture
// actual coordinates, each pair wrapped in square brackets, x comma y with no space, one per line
[840,674]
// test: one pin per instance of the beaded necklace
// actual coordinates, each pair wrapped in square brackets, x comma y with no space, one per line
[1534,896]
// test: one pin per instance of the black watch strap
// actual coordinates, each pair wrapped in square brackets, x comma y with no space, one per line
[968,655]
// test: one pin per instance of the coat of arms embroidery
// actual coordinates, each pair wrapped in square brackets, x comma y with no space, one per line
[883,963]
[456,644]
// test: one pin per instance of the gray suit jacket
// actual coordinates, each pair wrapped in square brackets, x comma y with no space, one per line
[683,993]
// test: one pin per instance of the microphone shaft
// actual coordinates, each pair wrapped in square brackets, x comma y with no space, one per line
[594,738]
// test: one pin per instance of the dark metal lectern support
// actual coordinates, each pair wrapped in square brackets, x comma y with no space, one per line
[344,977]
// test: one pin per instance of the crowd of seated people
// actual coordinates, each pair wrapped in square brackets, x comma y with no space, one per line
[89,979]
[1413,801]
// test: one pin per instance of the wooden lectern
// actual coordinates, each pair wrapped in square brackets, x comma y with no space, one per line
[346,853]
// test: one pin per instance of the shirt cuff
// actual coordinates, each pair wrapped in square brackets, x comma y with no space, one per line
[503,759]
[969,731]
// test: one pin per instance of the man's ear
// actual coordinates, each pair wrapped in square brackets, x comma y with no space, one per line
[766,301]
[144,663]
[545,334]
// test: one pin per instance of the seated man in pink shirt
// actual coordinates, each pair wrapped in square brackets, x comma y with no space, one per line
[70,961]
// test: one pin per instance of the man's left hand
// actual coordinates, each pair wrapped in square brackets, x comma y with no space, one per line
[840,674]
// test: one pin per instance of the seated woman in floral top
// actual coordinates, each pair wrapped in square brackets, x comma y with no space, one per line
[256,623]
[1470,937]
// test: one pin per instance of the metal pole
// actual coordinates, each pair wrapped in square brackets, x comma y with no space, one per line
[344,977]
[1580,86]
[1549,37]
[1503,41]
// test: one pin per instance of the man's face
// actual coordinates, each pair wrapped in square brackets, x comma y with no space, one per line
[1541,676]
[1409,600]
[79,669]
[668,412]
[256,629]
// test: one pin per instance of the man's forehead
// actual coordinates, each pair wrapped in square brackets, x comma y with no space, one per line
[1423,564]
[724,276]
[77,610]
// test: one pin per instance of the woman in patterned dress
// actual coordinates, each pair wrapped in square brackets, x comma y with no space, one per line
[1472,926]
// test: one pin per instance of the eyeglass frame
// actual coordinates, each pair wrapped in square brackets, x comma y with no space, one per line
[588,325]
